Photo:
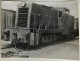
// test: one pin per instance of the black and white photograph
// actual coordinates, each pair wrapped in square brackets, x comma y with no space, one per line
[40,29]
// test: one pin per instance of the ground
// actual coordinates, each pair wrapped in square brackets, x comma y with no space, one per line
[58,50]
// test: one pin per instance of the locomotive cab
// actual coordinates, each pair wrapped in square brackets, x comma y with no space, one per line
[63,19]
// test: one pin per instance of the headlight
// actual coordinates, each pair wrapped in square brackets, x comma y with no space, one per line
[23,4]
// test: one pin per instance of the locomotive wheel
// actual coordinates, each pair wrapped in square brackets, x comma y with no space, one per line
[50,37]
[46,38]
[71,36]
[28,46]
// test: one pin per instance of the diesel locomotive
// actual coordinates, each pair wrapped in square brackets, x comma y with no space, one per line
[36,24]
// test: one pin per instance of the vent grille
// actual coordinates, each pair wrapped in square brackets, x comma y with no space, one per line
[22,17]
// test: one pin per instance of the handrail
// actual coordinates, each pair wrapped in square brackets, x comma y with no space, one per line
[36,14]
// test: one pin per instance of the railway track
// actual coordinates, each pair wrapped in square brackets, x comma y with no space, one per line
[7,54]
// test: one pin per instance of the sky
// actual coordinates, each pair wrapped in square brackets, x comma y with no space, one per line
[72,5]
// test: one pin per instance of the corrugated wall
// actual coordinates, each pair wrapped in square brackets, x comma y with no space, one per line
[6,19]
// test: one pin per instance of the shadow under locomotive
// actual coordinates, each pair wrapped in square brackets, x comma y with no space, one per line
[24,46]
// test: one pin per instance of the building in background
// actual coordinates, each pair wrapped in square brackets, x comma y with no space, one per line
[7,20]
